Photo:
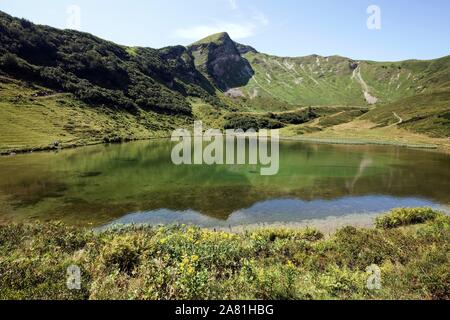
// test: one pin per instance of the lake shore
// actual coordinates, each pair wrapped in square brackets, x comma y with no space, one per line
[360,132]
[409,248]
[63,146]
[327,226]
[361,141]
[423,142]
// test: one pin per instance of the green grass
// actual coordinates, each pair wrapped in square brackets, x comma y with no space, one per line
[216,38]
[362,142]
[340,117]
[326,81]
[180,262]
[211,116]
[36,117]
[132,51]
[426,113]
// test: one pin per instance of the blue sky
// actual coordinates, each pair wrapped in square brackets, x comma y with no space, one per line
[409,28]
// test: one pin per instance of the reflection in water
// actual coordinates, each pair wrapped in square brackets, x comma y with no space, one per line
[100,184]
[365,163]
[279,211]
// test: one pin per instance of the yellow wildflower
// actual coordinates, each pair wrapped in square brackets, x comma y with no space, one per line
[190,270]
[291,265]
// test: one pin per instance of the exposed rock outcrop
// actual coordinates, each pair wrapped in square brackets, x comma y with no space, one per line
[220,59]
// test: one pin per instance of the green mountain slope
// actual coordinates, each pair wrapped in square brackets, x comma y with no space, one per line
[427,113]
[100,72]
[316,80]
[116,92]
[415,90]
[37,118]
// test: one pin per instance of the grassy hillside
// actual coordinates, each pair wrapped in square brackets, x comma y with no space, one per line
[182,262]
[416,91]
[316,80]
[100,72]
[34,117]
[306,81]
[427,113]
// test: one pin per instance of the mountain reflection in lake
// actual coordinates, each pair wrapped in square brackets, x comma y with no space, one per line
[137,182]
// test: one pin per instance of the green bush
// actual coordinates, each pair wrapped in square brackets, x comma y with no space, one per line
[405,217]
[271,234]
[121,252]
[268,120]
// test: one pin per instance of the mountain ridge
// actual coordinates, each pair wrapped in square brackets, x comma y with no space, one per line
[224,63]
[211,80]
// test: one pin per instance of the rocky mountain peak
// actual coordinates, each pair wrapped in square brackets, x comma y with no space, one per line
[221,38]
[220,59]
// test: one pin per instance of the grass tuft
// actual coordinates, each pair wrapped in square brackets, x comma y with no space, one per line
[405,217]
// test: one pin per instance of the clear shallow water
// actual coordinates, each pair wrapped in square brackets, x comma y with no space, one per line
[280,211]
[137,183]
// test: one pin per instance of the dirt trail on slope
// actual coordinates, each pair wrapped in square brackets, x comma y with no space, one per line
[400,120]
[357,75]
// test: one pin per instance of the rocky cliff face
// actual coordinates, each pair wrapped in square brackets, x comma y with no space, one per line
[243,49]
[220,59]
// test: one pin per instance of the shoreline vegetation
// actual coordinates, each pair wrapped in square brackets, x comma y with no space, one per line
[62,146]
[410,246]
[56,146]
[356,141]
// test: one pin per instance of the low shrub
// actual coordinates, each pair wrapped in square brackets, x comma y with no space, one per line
[406,216]
[181,262]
